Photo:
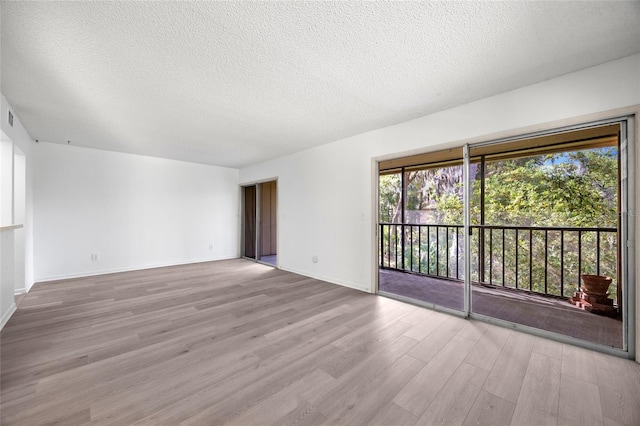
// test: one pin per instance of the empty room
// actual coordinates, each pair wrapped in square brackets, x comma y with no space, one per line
[326,212]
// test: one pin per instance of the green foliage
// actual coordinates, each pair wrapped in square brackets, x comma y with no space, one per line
[576,189]
[390,191]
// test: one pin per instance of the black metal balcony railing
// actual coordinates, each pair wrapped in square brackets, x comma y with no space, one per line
[546,260]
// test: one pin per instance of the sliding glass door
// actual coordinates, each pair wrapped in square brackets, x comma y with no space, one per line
[545,221]
[516,231]
[421,234]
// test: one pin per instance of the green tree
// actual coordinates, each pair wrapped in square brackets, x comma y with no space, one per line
[577,189]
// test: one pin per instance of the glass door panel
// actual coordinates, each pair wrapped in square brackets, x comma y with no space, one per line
[421,236]
[540,221]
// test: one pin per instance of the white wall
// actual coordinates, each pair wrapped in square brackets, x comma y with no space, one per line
[7,273]
[325,193]
[134,212]
[19,216]
[6,181]
[15,140]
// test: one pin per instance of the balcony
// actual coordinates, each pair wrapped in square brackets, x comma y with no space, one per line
[520,274]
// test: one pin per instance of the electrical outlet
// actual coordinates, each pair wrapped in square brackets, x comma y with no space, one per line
[95,257]
[210,246]
[314,259]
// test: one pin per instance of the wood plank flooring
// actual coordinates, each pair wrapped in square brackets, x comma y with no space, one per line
[235,342]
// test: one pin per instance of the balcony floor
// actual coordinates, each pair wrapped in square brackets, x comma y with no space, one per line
[545,313]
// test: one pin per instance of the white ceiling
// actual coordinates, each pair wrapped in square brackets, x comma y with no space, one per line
[235,83]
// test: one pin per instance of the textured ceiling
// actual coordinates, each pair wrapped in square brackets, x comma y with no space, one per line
[235,83]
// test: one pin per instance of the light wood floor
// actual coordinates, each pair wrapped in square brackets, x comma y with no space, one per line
[237,342]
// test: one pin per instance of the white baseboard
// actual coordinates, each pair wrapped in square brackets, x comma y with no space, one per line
[331,280]
[128,269]
[19,291]
[7,315]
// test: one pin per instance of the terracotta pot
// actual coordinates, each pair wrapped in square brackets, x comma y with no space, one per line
[596,284]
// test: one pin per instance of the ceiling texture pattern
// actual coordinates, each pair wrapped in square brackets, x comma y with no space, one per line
[236,83]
